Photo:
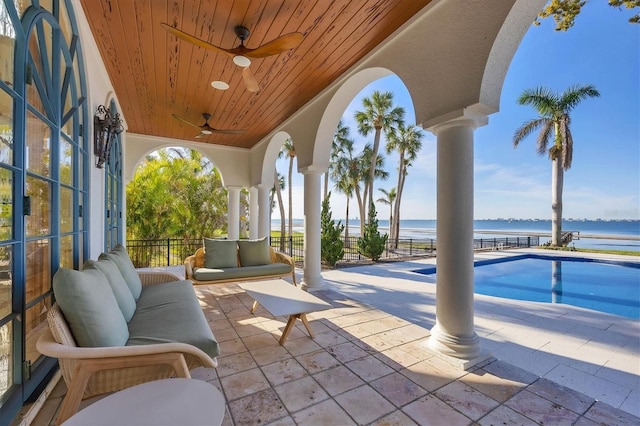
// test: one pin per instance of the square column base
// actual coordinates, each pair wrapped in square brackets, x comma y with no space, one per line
[313,284]
[461,363]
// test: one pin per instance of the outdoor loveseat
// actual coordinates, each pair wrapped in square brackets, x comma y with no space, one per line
[221,261]
[113,327]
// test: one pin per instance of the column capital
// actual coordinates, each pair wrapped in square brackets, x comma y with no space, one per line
[466,117]
[312,170]
[234,187]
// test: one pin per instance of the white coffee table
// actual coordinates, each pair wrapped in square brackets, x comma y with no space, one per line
[281,298]
[162,402]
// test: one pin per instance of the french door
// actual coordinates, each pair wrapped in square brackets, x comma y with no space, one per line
[43,181]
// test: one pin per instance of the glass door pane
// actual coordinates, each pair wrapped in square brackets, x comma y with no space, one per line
[35,326]
[6,281]
[7,46]
[6,358]
[6,127]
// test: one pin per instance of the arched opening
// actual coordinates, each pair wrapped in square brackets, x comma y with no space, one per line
[175,198]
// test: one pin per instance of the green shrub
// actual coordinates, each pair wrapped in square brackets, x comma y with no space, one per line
[331,244]
[372,244]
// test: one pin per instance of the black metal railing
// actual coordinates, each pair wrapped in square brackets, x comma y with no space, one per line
[161,252]
[506,242]
[173,252]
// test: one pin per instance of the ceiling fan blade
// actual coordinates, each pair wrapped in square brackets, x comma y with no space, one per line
[228,132]
[249,80]
[198,42]
[221,131]
[177,117]
[276,46]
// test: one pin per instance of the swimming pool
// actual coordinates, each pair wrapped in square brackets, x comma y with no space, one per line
[601,285]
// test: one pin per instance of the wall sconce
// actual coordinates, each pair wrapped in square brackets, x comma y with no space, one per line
[105,128]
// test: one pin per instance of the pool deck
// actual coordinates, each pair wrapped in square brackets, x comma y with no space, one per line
[594,353]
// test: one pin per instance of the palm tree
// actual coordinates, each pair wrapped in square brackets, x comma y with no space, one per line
[407,142]
[379,115]
[341,134]
[554,119]
[278,184]
[289,150]
[388,199]
[346,172]
[364,159]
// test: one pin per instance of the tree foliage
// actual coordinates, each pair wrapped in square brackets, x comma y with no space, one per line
[289,151]
[564,12]
[554,137]
[553,120]
[331,245]
[176,194]
[346,169]
[351,172]
[278,186]
[379,115]
[388,199]
[372,244]
[406,141]
[339,137]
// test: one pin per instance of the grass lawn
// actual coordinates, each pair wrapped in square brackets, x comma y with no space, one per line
[587,250]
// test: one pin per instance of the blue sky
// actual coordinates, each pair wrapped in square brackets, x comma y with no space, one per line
[602,49]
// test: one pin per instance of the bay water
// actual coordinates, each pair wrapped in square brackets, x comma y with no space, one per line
[596,234]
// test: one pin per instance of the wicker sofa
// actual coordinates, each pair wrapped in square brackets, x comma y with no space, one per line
[165,331]
[220,261]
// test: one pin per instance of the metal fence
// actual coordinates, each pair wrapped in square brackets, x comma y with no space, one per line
[173,252]
[294,247]
[506,242]
[161,252]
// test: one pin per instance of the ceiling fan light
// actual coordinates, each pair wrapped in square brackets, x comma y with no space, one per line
[220,85]
[241,61]
[206,132]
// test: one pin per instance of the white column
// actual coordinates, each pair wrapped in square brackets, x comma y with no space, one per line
[454,335]
[253,213]
[312,279]
[233,213]
[264,212]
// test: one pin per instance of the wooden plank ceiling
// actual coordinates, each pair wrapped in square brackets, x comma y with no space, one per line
[155,74]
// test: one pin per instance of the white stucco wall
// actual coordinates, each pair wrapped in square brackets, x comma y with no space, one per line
[99,92]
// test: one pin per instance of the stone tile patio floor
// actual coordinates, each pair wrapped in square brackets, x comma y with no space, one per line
[364,367]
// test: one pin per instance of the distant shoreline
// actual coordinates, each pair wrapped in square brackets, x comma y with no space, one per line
[587,233]
[580,234]
[548,234]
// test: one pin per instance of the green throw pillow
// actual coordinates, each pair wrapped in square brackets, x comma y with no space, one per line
[254,252]
[220,253]
[121,291]
[90,308]
[121,258]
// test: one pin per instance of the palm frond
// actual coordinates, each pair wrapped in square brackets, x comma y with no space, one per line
[575,94]
[540,98]
[544,137]
[567,143]
[526,129]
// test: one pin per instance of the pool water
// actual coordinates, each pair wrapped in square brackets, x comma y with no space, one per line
[605,286]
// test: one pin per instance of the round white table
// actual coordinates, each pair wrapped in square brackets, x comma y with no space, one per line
[161,402]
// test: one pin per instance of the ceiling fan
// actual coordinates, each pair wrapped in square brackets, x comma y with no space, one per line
[241,54]
[206,129]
